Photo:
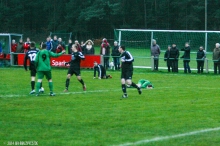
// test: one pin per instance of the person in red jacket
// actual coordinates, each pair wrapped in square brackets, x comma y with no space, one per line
[105,51]
[26,45]
[13,49]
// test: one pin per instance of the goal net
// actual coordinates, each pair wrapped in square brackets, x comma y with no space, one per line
[139,41]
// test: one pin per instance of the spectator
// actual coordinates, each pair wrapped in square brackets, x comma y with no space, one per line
[216,58]
[78,47]
[55,44]
[167,58]
[101,71]
[83,46]
[105,51]
[174,55]
[116,55]
[13,49]
[89,49]
[70,43]
[61,46]
[49,44]
[20,48]
[200,60]
[26,45]
[155,51]
[186,58]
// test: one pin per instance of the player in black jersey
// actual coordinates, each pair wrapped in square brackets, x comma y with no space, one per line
[101,71]
[74,68]
[31,55]
[127,70]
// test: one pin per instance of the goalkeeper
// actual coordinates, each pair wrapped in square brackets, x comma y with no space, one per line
[142,83]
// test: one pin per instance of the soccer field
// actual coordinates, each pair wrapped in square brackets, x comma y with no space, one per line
[182,109]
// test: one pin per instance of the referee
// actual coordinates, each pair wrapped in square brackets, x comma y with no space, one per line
[127,71]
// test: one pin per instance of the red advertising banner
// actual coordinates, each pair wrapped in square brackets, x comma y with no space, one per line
[60,61]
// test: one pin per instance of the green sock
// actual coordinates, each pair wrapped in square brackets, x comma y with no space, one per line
[51,86]
[38,87]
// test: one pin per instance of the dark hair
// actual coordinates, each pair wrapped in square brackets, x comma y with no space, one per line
[44,46]
[32,45]
[123,47]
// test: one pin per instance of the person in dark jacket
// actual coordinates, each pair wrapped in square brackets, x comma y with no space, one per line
[186,58]
[174,56]
[70,43]
[200,59]
[167,58]
[216,58]
[54,44]
[89,49]
[116,55]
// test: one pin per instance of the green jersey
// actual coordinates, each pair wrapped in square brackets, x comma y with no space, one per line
[42,60]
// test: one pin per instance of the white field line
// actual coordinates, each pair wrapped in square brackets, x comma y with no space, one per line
[162,138]
[100,91]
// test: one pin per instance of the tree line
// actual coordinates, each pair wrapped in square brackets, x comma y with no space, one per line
[97,18]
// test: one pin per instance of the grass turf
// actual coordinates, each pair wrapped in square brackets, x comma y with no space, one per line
[179,103]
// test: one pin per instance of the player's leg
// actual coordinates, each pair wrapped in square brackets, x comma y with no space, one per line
[81,81]
[50,82]
[123,87]
[69,74]
[128,78]
[33,75]
[40,76]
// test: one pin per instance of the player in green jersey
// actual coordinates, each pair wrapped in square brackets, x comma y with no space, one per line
[43,67]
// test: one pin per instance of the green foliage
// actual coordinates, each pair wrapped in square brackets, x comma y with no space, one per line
[179,103]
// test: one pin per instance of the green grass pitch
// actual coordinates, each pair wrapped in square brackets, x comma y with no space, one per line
[179,104]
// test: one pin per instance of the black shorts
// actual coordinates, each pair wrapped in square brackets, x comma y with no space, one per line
[72,71]
[33,72]
[126,74]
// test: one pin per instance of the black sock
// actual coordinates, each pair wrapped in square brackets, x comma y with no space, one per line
[81,81]
[123,86]
[67,83]
[32,85]
[41,84]
[134,85]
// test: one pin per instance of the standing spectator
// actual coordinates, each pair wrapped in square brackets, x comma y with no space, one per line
[115,55]
[105,51]
[167,58]
[216,58]
[70,43]
[26,45]
[83,46]
[13,49]
[78,47]
[75,67]
[127,71]
[89,49]
[49,44]
[200,60]
[20,48]
[186,58]
[174,56]
[101,71]
[155,51]
[55,44]
[43,67]
[61,46]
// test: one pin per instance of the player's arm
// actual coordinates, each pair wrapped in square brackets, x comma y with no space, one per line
[52,54]
[25,61]
[81,56]
[95,69]
[130,57]
[99,71]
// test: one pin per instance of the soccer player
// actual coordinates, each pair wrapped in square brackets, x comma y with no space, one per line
[101,71]
[74,68]
[43,67]
[31,56]
[127,70]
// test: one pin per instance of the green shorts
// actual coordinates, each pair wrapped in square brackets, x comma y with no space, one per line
[40,74]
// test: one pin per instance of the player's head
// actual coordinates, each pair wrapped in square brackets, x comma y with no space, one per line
[121,49]
[95,63]
[32,45]
[74,48]
[44,46]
